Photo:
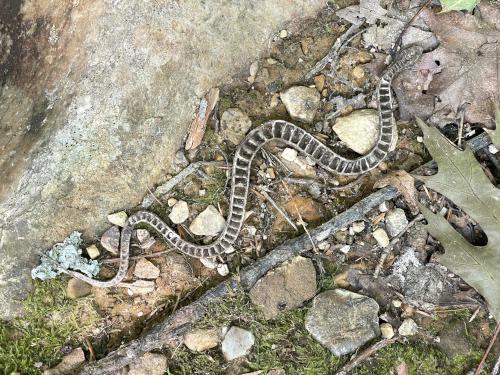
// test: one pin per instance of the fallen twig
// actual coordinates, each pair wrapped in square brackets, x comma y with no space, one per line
[152,255]
[492,342]
[334,51]
[367,353]
[394,240]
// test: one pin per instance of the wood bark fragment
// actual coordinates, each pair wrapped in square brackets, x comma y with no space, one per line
[198,126]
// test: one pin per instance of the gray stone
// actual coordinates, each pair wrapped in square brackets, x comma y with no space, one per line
[395,221]
[144,269]
[199,340]
[77,288]
[408,328]
[110,240]
[237,343]
[358,130]
[208,223]
[285,288]
[93,117]
[234,125]
[381,237]
[180,212]
[149,364]
[301,102]
[424,284]
[342,321]
[69,364]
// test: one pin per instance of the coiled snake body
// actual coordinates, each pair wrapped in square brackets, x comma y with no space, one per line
[289,134]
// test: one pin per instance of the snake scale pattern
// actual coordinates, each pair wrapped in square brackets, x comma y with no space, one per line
[289,134]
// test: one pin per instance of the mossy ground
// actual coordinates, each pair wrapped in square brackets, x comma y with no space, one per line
[51,322]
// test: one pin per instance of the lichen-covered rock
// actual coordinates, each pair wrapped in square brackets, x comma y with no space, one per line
[93,114]
[301,102]
[342,321]
[285,288]
[234,125]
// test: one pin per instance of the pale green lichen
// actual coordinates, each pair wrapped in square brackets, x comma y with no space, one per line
[65,255]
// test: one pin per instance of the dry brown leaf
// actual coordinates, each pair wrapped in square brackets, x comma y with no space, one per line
[199,124]
[404,182]
[461,72]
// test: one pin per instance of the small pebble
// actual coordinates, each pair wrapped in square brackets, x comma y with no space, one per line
[171,202]
[77,288]
[381,236]
[223,269]
[180,212]
[110,240]
[283,34]
[289,154]
[396,303]
[358,227]
[270,173]
[408,328]
[420,139]
[395,221]
[387,331]
[202,192]
[142,235]
[210,264]
[271,61]
[323,245]
[382,207]
[144,269]
[345,249]
[118,218]
[93,251]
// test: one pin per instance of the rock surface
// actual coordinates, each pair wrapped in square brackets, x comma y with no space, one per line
[144,269]
[301,102]
[77,288]
[305,208]
[237,343]
[395,221]
[234,125]
[199,340]
[208,223]
[381,237]
[180,212]
[149,364]
[358,130]
[69,363]
[95,107]
[342,321]
[285,288]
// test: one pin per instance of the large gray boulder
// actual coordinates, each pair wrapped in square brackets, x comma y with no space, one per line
[95,99]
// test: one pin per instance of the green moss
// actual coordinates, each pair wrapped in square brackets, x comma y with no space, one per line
[421,359]
[51,320]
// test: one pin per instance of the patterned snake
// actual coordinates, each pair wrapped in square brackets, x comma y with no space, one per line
[289,134]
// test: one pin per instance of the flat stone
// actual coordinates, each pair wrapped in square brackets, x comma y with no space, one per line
[358,227]
[223,269]
[237,343]
[307,208]
[110,240]
[118,218]
[103,111]
[387,331]
[395,221]
[180,212]
[358,130]
[144,269]
[171,202]
[408,328]
[289,154]
[299,166]
[234,125]
[285,288]
[342,321]
[77,288]
[208,223]
[140,287]
[93,251]
[149,364]
[301,103]
[199,340]
[69,363]
[381,237]
[424,283]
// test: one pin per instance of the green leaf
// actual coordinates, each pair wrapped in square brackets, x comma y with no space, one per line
[461,178]
[458,5]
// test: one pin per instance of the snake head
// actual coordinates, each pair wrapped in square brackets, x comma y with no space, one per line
[408,56]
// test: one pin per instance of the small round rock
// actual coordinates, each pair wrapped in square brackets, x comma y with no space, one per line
[408,328]
[118,218]
[387,331]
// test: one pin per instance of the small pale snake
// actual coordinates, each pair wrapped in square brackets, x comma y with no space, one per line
[292,136]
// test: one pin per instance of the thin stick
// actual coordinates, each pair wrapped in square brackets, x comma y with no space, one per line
[367,353]
[152,255]
[275,205]
[395,239]
[492,342]
[461,128]
[334,51]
